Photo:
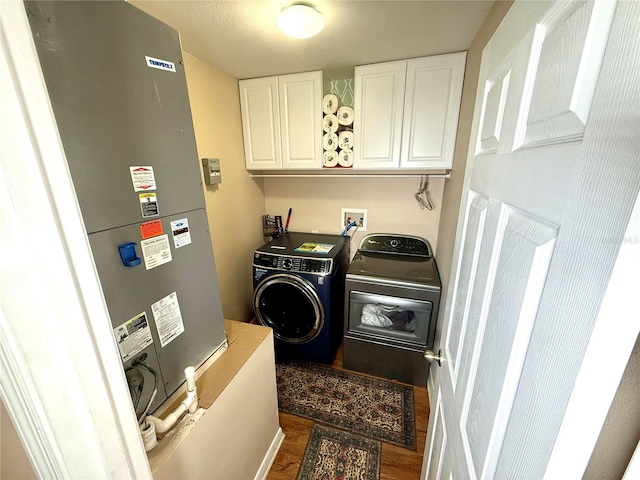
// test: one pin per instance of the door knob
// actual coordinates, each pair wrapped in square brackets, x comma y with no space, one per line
[431,357]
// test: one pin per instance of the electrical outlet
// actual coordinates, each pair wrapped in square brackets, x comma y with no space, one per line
[358,215]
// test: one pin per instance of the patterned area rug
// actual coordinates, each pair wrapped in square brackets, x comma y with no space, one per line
[336,454]
[374,408]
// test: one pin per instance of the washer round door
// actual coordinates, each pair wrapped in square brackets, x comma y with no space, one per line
[290,306]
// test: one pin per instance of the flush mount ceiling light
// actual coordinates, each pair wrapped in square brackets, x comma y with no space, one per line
[300,21]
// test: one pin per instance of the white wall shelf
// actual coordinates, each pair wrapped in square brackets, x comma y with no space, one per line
[350,174]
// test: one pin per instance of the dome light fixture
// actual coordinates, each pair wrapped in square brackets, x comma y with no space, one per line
[300,21]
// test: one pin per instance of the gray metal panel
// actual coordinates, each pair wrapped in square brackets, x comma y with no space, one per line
[113,111]
[191,274]
[395,363]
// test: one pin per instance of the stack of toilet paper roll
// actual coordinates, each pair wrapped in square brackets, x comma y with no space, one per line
[337,141]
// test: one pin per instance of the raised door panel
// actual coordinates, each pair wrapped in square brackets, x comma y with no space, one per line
[431,109]
[568,48]
[496,90]
[464,283]
[378,105]
[301,120]
[437,448]
[260,123]
[521,257]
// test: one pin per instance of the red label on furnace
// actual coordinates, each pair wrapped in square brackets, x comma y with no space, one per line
[151,229]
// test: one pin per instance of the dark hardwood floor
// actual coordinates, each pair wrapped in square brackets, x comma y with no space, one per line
[396,463]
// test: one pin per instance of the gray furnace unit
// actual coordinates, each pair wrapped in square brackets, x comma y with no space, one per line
[117,84]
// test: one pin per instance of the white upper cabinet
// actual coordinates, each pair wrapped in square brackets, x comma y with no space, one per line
[378,107]
[407,112]
[431,109]
[301,120]
[261,123]
[282,121]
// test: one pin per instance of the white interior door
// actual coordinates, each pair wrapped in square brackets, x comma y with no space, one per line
[553,176]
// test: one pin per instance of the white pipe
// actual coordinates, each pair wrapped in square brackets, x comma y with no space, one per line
[148,432]
[189,404]
[169,421]
[190,375]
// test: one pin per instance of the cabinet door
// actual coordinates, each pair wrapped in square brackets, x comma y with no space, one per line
[378,110]
[260,123]
[432,104]
[301,120]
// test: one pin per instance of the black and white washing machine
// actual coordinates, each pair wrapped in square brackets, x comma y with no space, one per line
[298,291]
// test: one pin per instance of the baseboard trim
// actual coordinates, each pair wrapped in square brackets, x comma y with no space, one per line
[265,466]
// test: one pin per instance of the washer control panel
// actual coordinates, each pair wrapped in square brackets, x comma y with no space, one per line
[292,264]
[396,244]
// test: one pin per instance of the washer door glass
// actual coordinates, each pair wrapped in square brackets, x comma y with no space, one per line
[290,306]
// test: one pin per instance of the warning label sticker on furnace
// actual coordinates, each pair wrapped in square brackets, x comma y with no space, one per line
[166,313]
[133,336]
[156,251]
[151,229]
[149,205]
[143,179]
[180,230]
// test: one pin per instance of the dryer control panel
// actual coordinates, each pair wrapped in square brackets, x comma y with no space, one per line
[396,244]
[293,264]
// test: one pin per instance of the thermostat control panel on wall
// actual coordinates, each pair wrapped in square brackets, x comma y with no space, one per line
[211,168]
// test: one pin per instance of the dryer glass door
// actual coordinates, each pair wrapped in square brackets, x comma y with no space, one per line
[290,306]
[401,320]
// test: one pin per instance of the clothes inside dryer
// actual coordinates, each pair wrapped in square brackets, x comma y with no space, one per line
[395,318]
[389,318]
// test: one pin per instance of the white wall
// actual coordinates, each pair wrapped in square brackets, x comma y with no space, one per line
[235,206]
[391,208]
[239,434]
[621,430]
[14,463]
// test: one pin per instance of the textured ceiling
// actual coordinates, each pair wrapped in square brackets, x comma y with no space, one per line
[241,38]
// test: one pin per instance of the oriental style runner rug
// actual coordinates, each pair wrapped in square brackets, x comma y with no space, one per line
[336,454]
[375,408]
